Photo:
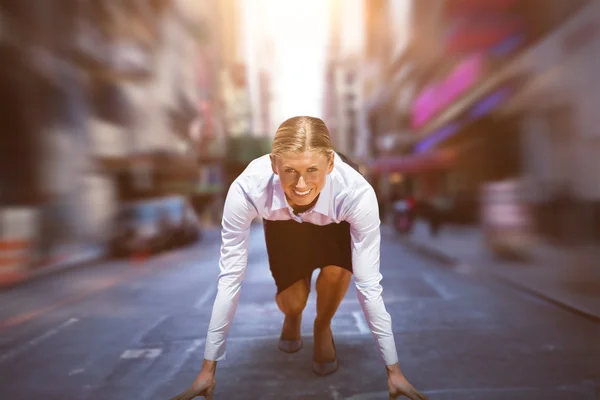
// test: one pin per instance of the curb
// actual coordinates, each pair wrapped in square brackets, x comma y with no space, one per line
[25,277]
[449,260]
[565,305]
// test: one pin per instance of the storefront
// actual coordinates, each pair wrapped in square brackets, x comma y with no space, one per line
[561,146]
[460,113]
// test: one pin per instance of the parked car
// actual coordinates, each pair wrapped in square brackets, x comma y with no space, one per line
[154,225]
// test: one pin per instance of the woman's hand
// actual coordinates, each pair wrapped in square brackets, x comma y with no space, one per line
[200,387]
[204,385]
[398,386]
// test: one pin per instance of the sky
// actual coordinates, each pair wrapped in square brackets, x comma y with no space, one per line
[298,29]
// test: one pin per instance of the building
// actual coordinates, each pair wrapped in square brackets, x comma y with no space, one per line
[344,77]
[560,141]
[464,125]
[103,109]
[401,42]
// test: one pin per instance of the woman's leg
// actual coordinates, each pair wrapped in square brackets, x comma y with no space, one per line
[332,286]
[291,301]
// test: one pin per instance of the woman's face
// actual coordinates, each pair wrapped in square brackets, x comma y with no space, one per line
[302,175]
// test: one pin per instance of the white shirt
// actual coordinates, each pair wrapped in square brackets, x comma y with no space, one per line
[346,196]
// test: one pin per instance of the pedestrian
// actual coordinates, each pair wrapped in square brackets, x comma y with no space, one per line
[318,213]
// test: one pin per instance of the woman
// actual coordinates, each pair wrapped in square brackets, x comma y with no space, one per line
[319,213]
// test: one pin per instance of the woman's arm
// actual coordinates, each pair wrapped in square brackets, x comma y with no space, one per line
[363,216]
[238,214]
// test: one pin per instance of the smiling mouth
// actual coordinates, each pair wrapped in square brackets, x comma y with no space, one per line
[302,194]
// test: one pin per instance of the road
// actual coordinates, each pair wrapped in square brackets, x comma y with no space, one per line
[135,330]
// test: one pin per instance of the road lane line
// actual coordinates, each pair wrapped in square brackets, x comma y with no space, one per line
[141,353]
[195,344]
[22,318]
[439,287]
[76,371]
[335,395]
[361,324]
[37,340]
[207,295]
[33,314]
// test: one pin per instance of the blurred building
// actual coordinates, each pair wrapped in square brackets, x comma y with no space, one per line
[344,76]
[111,102]
[258,49]
[401,42]
[560,141]
[147,120]
[456,109]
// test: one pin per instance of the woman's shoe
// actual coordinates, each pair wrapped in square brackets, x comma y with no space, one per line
[290,346]
[286,345]
[327,367]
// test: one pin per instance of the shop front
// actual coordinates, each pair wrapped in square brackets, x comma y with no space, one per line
[561,145]
[461,114]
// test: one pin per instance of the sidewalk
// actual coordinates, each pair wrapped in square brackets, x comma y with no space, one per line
[569,277]
[64,258]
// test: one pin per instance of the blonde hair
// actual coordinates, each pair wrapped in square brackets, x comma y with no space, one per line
[301,134]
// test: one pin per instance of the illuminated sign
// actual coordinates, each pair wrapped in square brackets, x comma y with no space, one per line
[480,109]
[435,97]
[432,140]
[489,103]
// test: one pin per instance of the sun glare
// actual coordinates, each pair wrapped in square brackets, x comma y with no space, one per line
[299,30]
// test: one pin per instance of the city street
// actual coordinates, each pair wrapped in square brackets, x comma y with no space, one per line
[135,329]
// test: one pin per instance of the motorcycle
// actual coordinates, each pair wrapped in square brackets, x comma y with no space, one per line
[403,216]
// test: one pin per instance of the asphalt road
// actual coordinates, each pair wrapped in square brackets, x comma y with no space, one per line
[135,330]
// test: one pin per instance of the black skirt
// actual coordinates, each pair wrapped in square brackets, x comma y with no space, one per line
[296,249]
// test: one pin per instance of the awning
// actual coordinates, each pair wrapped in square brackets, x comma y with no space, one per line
[415,163]
[486,105]
[512,70]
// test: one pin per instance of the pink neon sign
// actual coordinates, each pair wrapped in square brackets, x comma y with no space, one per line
[437,96]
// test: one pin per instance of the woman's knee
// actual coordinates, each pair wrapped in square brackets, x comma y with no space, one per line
[334,275]
[292,300]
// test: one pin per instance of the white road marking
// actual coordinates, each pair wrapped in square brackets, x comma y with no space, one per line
[335,395]
[361,324]
[210,292]
[39,339]
[195,344]
[439,287]
[76,371]
[141,353]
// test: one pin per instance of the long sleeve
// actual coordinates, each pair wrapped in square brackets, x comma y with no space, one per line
[238,214]
[363,216]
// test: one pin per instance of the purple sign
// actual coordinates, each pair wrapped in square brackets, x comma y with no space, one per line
[432,140]
[488,104]
[436,97]
[482,108]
